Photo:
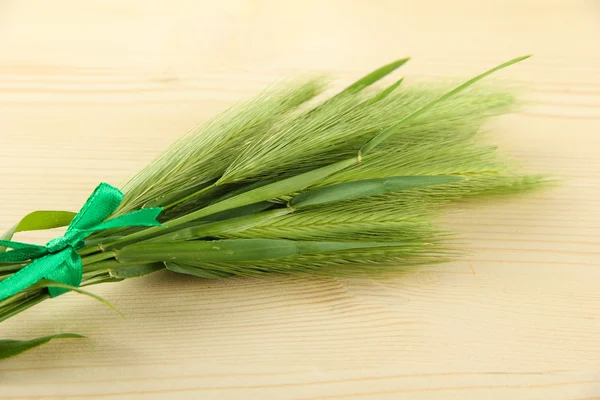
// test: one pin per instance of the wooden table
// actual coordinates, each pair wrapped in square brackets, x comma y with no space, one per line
[91,91]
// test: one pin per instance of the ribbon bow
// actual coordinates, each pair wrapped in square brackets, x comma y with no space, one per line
[58,260]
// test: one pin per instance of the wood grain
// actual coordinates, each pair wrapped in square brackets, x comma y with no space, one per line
[91,91]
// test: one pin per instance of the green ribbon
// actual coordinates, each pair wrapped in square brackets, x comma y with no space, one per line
[58,260]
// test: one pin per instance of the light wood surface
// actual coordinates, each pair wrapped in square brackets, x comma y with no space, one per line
[91,91]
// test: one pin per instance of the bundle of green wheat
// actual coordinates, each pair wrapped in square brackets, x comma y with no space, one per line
[282,184]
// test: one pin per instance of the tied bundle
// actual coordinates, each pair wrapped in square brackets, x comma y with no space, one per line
[283,184]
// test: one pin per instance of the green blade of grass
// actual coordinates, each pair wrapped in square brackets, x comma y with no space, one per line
[39,220]
[368,80]
[267,192]
[233,250]
[11,348]
[386,92]
[374,76]
[366,188]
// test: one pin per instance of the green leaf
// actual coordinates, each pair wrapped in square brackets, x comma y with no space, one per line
[365,188]
[368,80]
[232,250]
[135,271]
[39,220]
[11,348]
[386,92]
[383,135]
[267,192]
[374,76]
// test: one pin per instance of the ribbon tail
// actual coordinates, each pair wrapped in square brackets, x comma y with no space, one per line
[29,275]
[21,251]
